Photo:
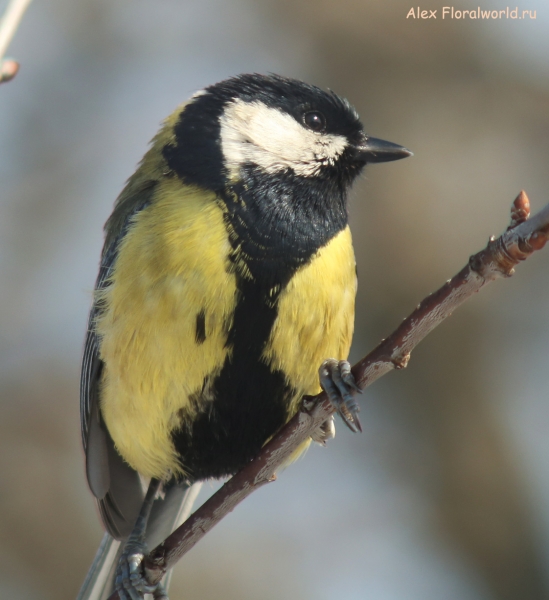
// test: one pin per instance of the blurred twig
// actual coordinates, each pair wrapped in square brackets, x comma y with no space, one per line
[8,26]
[498,259]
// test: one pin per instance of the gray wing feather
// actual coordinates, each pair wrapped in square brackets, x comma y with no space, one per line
[116,486]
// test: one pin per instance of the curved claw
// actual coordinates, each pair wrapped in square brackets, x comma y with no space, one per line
[325,432]
[339,384]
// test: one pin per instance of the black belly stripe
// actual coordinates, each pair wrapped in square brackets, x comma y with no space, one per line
[250,400]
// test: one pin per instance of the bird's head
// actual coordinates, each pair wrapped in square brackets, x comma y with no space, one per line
[274,126]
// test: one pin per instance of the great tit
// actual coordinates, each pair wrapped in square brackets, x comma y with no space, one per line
[227,279]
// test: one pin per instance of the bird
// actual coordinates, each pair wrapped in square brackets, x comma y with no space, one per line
[225,294]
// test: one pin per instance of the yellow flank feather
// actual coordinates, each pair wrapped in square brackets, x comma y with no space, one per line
[170,267]
[315,317]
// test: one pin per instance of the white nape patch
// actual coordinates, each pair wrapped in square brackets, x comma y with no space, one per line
[254,133]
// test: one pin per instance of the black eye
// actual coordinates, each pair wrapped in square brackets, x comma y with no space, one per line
[314,120]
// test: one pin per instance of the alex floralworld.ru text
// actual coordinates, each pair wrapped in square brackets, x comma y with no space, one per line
[448,12]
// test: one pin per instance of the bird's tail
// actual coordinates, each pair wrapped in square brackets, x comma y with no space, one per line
[167,514]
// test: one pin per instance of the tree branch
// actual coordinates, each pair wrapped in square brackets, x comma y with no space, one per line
[8,26]
[498,259]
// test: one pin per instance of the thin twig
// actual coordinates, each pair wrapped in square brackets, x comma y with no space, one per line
[8,26]
[521,239]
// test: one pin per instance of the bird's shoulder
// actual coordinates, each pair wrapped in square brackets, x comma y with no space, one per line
[142,187]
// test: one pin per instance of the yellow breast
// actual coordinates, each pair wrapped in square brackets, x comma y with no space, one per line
[171,267]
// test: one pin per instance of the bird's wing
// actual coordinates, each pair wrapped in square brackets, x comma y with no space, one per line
[114,483]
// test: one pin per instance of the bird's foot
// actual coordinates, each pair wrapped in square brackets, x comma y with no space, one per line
[339,384]
[130,581]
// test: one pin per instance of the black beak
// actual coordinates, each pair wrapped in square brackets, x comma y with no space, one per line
[372,150]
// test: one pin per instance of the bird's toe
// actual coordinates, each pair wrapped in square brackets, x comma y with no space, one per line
[337,380]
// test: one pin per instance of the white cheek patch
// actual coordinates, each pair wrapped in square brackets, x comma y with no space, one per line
[254,133]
